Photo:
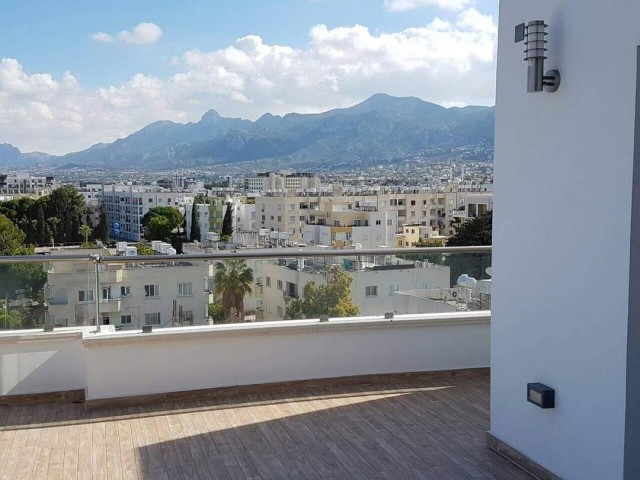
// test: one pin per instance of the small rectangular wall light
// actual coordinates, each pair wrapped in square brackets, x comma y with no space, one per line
[541,395]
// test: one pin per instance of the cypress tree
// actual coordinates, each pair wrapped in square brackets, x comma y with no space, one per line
[227,222]
[41,226]
[195,222]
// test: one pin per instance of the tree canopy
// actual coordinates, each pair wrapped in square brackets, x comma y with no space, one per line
[56,217]
[473,233]
[332,299]
[11,237]
[160,222]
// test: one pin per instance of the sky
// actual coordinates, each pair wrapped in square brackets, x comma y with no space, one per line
[76,73]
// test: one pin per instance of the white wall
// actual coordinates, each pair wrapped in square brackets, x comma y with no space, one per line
[566,325]
[222,356]
[42,362]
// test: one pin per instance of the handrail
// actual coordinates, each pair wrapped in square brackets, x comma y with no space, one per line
[258,254]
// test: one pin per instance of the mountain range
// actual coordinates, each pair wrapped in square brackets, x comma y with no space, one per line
[379,130]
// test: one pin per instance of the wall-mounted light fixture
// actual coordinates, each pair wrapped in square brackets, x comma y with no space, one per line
[533,34]
[541,395]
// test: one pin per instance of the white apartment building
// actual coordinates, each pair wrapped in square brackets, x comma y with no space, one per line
[22,184]
[270,181]
[211,215]
[375,280]
[442,210]
[130,295]
[344,227]
[127,204]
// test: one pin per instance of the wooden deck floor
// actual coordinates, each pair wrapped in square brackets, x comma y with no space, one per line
[428,429]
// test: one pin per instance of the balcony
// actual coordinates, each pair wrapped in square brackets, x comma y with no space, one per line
[357,397]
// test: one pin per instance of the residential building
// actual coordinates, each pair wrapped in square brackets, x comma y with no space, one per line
[125,205]
[23,184]
[130,295]
[375,280]
[271,181]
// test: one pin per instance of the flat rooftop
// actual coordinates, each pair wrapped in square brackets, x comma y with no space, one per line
[412,428]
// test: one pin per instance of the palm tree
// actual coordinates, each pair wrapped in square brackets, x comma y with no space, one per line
[233,280]
[85,231]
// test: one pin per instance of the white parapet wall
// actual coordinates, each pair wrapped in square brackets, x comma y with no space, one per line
[37,362]
[122,364]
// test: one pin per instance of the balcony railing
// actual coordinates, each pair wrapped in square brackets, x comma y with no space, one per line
[378,281]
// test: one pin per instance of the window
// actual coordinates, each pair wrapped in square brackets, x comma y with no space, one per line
[292,206]
[389,223]
[378,222]
[185,289]
[188,317]
[371,291]
[268,281]
[125,319]
[125,291]
[279,218]
[85,296]
[151,200]
[152,318]
[151,290]
[280,311]
[413,202]
[292,218]
[279,284]
[106,293]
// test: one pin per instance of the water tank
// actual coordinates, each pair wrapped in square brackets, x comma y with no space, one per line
[465,280]
[121,247]
[131,251]
[171,251]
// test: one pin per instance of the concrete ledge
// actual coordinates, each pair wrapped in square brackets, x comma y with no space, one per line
[279,387]
[286,326]
[49,397]
[521,460]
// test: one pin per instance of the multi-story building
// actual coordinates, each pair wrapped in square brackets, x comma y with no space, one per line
[26,185]
[375,280]
[211,216]
[130,295]
[442,211]
[125,205]
[270,181]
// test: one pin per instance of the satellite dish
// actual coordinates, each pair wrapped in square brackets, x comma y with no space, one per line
[488,270]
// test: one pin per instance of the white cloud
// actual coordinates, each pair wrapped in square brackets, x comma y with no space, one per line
[447,62]
[143,33]
[102,37]
[404,5]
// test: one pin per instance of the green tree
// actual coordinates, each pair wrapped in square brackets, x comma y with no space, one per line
[473,233]
[10,319]
[11,237]
[227,223]
[215,311]
[41,226]
[195,222]
[102,231]
[332,299]
[144,249]
[233,280]
[68,206]
[85,231]
[159,222]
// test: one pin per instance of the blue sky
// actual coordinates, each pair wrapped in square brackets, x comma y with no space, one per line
[297,55]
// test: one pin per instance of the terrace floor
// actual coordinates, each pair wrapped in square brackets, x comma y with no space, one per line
[410,429]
